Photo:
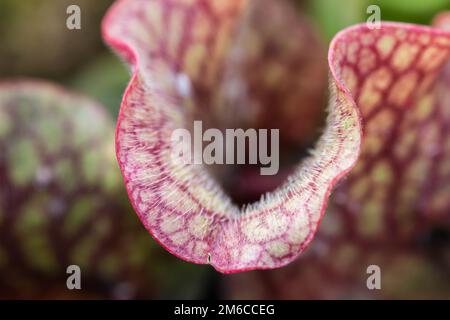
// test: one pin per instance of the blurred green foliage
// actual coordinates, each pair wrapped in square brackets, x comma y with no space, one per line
[103,79]
[414,11]
[331,16]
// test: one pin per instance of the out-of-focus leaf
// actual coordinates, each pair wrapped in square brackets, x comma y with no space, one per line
[62,202]
[413,7]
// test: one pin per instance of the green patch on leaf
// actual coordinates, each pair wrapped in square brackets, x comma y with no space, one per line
[83,209]
[23,161]
[91,163]
[5,123]
[39,251]
[82,252]
[65,175]
[33,216]
[50,131]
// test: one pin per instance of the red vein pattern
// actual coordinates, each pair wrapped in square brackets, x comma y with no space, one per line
[181,206]
[399,189]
